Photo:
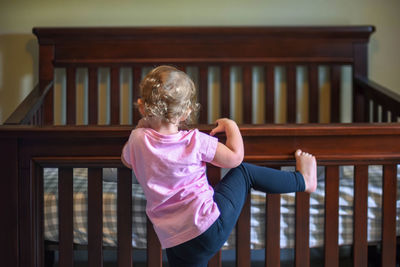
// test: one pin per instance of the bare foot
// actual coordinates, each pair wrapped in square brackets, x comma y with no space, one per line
[306,164]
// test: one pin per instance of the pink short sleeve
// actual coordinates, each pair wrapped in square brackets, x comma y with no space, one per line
[125,153]
[209,146]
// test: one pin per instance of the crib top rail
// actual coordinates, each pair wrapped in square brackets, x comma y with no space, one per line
[138,45]
[332,143]
[381,97]
[30,105]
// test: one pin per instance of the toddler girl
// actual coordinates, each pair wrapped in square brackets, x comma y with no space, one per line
[191,219]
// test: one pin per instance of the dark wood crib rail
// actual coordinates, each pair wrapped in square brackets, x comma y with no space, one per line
[26,150]
[202,48]
[372,97]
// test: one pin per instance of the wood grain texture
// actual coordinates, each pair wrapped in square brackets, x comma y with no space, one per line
[95,217]
[124,217]
[65,216]
[272,230]
[360,249]
[302,229]
[331,229]
[389,215]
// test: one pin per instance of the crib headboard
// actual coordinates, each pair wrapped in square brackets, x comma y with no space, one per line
[199,49]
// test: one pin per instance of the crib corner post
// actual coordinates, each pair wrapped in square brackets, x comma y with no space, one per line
[46,74]
[9,200]
[360,68]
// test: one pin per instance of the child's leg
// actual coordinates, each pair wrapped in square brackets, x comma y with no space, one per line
[275,181]
[230,195]
[231,192]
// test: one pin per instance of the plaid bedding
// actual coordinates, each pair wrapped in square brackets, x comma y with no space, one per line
[257,211]
[80,210]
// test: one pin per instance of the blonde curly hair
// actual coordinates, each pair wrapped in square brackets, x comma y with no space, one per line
[170,95]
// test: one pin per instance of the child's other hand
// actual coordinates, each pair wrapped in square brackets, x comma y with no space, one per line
[222,125]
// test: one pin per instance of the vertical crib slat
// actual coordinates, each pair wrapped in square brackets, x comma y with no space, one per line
[114,96]
[95,217]
[360,248]
[32,121]
[395,115]
[93,96]
[124,217]
[203,94]
[225,91]
[243,236]
[247,95]
[331,216]
[154,252]
[302,247]
[375,113]
[291,93]
[39,218]
[36,117]
[272,230]
[48,106]
[270,94]
[335,79]
[313,94]
[385,117]
[137,76]
[71,96]
[40,111]
[360,105]
[389,215]
[65,217]
[214,176]
[369,103]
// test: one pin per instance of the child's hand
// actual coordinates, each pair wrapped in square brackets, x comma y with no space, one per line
[230,154]
[222,125]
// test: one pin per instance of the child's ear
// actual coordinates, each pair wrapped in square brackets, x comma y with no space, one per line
[140,106]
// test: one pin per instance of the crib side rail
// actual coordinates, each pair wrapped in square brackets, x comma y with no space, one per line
[30,111]
[271,145]
[376,103]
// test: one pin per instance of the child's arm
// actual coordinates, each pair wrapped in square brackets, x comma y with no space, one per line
[231,154]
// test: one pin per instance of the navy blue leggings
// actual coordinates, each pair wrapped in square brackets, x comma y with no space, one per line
[230,195]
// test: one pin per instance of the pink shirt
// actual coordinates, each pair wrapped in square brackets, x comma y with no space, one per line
[172,171]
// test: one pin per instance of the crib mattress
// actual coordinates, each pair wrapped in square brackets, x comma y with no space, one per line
[257,211]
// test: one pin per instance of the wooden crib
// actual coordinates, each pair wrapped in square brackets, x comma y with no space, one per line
[30,142]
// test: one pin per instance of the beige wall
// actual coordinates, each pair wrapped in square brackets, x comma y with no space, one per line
[18,48]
